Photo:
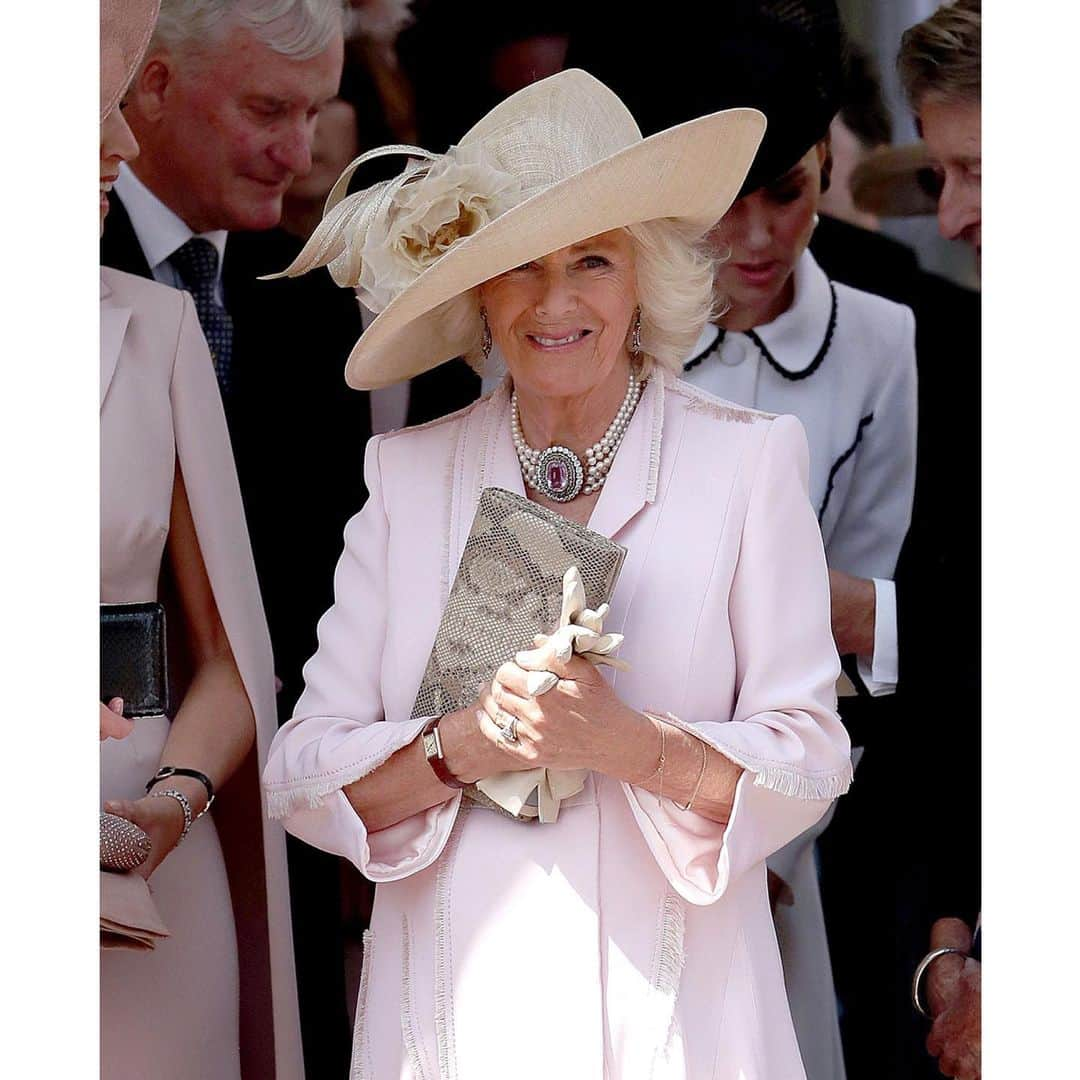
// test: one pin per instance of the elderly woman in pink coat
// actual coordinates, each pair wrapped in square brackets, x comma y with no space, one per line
[631,936]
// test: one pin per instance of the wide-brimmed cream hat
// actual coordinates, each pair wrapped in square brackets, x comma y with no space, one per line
[896,181]
[555,163]
[126,28]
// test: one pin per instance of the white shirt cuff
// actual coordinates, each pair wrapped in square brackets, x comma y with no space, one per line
[881,671]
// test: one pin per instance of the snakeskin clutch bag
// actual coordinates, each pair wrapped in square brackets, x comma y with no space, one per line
[508,588]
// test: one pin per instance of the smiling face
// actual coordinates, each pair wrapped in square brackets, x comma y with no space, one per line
[952,132]
[562,321]
[117,145]
[225,132]
[766,232]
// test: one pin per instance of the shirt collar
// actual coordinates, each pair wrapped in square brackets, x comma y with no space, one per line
[704,344]
[795,336]
[158,229]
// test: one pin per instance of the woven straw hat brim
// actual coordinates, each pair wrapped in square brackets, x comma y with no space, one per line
[895,181]
[126,28]
[691,172]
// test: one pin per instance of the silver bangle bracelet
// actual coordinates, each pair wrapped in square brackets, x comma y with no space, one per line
[182,799]
[921,970]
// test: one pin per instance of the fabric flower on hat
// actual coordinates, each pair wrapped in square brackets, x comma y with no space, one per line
[379,240]
[454,197]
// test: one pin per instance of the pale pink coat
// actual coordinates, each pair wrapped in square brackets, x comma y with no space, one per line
[217,999]
[629,939]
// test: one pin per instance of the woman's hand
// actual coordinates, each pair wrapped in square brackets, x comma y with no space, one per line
[579,723]
[469,752]
[162,819]
[113,723]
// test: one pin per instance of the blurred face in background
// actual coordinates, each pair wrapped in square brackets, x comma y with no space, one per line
[334,145]
[847,152]
[764,234]
[226,129]
[952,132]
[117,145]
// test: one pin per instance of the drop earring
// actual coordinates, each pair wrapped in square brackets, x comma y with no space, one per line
[635,337]
[485,340]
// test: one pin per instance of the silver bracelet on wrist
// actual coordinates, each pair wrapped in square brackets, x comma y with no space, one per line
[182,799]
[921,970]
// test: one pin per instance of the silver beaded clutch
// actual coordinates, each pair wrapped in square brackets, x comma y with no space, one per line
[509,588]
[124,846]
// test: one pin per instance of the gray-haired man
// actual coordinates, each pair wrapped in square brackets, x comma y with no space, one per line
[224,106]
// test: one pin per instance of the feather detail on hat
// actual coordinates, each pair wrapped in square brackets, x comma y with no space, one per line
[379,240]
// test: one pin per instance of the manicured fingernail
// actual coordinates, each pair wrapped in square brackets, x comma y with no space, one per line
[117,705]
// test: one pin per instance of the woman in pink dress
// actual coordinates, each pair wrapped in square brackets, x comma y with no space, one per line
[172,528]
[630,935]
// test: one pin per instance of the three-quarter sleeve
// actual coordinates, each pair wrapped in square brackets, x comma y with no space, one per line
[339,733]
[784,730]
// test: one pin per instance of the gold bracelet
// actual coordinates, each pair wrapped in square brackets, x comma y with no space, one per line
[701,776]
[660,767]
[660,764]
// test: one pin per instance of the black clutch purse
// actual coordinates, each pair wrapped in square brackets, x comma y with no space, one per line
[133,658]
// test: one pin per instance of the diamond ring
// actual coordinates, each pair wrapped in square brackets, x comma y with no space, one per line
[508,731]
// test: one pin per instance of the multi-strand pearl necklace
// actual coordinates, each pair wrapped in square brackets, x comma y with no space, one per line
[558,472]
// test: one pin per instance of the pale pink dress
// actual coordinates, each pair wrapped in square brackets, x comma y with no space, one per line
[174,1014]
[629,939]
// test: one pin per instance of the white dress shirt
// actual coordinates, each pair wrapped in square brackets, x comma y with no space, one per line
[859,410]
[160,231]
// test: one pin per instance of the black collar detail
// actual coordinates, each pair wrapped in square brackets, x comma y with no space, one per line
[814,364]
[707,351]
[793,376]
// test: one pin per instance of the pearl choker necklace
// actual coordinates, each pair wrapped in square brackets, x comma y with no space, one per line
[558,472]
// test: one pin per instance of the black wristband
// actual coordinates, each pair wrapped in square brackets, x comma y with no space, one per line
[171,770]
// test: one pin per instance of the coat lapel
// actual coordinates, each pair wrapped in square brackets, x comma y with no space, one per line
[114,321]
[631,483]
[483,457]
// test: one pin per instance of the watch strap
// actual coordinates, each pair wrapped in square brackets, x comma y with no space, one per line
[434,754]
[172,770]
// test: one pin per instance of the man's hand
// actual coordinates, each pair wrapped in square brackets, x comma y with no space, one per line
[852,613]
[954,997]
[956,1037]
[944,973]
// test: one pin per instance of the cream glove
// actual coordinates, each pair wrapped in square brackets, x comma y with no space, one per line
[580,631]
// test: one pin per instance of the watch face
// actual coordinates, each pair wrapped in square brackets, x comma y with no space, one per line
[431,745]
